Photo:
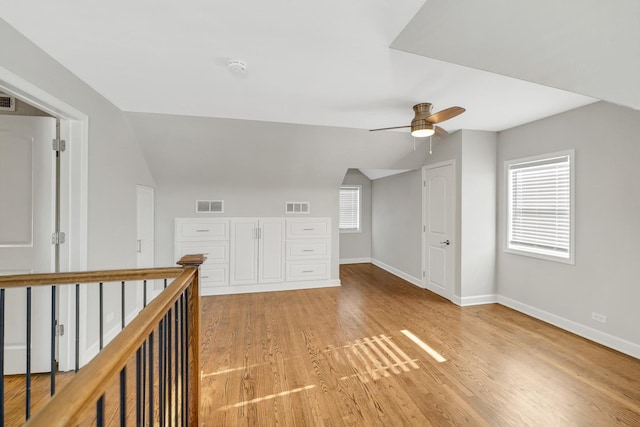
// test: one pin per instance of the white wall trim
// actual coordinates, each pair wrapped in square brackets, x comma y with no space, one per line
[409,278]
[587,332]
[267,287]
[355,261]
[474,300]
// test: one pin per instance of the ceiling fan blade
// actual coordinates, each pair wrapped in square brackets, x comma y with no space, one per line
[440,132]
[445,114]
[395,127]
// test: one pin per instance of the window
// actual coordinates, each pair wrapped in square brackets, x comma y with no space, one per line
[350,208]
[540,207]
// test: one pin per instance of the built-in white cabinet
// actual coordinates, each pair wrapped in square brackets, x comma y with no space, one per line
[257,251]
[308,249]
[207,237]
[257,254]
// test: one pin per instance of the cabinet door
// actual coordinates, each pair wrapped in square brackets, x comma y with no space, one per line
[244,252]
[271,251]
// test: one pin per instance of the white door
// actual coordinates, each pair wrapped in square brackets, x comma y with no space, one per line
[145,240]
[243,249]
[439,229]
[271,251]
[27,183]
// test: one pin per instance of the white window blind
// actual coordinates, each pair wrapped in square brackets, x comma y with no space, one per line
[540,206]
[350,208]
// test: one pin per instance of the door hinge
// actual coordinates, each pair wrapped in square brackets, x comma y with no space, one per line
[60,330]
[57,238]
[424,183]
[423,273]
[59,145]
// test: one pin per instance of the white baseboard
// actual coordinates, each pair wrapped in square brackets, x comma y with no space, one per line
[474,300]
[268,287]
[355,260]
[409,278]
[587,332]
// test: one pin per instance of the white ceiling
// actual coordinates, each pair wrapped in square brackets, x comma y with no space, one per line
[323,63]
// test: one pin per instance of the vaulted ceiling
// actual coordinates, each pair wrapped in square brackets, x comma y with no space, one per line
[358,64]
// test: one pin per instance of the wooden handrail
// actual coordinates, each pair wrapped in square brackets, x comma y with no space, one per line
[70,405]
[22,280]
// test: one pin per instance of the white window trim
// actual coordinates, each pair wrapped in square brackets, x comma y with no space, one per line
[359,229]
[507,211]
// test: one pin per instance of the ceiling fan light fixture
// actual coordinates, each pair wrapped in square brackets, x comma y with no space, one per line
[422,130]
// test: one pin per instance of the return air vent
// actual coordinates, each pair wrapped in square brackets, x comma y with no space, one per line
[7,103]
[297,207]
[209,206]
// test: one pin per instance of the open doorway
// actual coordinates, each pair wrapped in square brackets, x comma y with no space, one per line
[72,127]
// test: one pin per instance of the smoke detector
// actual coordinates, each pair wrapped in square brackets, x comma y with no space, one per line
[237,66]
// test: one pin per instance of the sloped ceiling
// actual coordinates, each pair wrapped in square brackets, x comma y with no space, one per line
[324,63]
[591,47]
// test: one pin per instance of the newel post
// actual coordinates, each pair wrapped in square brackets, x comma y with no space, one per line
[193,307]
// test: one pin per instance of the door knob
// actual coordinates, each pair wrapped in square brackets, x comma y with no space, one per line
[446,242]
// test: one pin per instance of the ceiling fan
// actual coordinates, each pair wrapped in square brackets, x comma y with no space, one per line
[424,122]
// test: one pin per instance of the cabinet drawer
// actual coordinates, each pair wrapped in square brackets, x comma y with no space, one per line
[309,229]
[189,230]
[216,252]
[307,249]
[307,270]
[214,275]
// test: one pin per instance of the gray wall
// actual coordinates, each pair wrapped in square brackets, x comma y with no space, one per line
[115,163]
[396,215]
[257,166]
[604,278]
[357,246]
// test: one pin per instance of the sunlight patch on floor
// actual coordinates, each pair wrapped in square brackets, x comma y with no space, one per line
[376,357]
[424,346]
[226,371]
[268,397]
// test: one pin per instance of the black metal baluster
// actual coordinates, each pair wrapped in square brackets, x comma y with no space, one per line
[101,314]
[186,353]
[2,361]
[52,358]
[165,283]
[161,371]
[144,293]
[169,366]
[185,361]
[176,341]
[28,375]
[100,412]
[151,379]
[77,326]
[123,396]
[144,381]
[139,373]
[122,305]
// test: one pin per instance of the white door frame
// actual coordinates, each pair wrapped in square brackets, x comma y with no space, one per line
[450,289]
[75,130]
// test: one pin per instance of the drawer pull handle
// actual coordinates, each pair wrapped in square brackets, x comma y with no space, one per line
[308,229]
[307,250]
[204,277]
[307,271]
[202,231]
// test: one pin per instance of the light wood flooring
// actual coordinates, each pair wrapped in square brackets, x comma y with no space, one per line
[338,357]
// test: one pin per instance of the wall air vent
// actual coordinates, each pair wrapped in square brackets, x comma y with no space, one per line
[7,103]
[297,207]
[209,206]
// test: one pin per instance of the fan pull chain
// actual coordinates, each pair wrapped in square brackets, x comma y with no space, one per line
[430,151]
[414,143]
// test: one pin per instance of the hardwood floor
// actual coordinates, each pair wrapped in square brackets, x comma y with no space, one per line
[338,356]
[343,357]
